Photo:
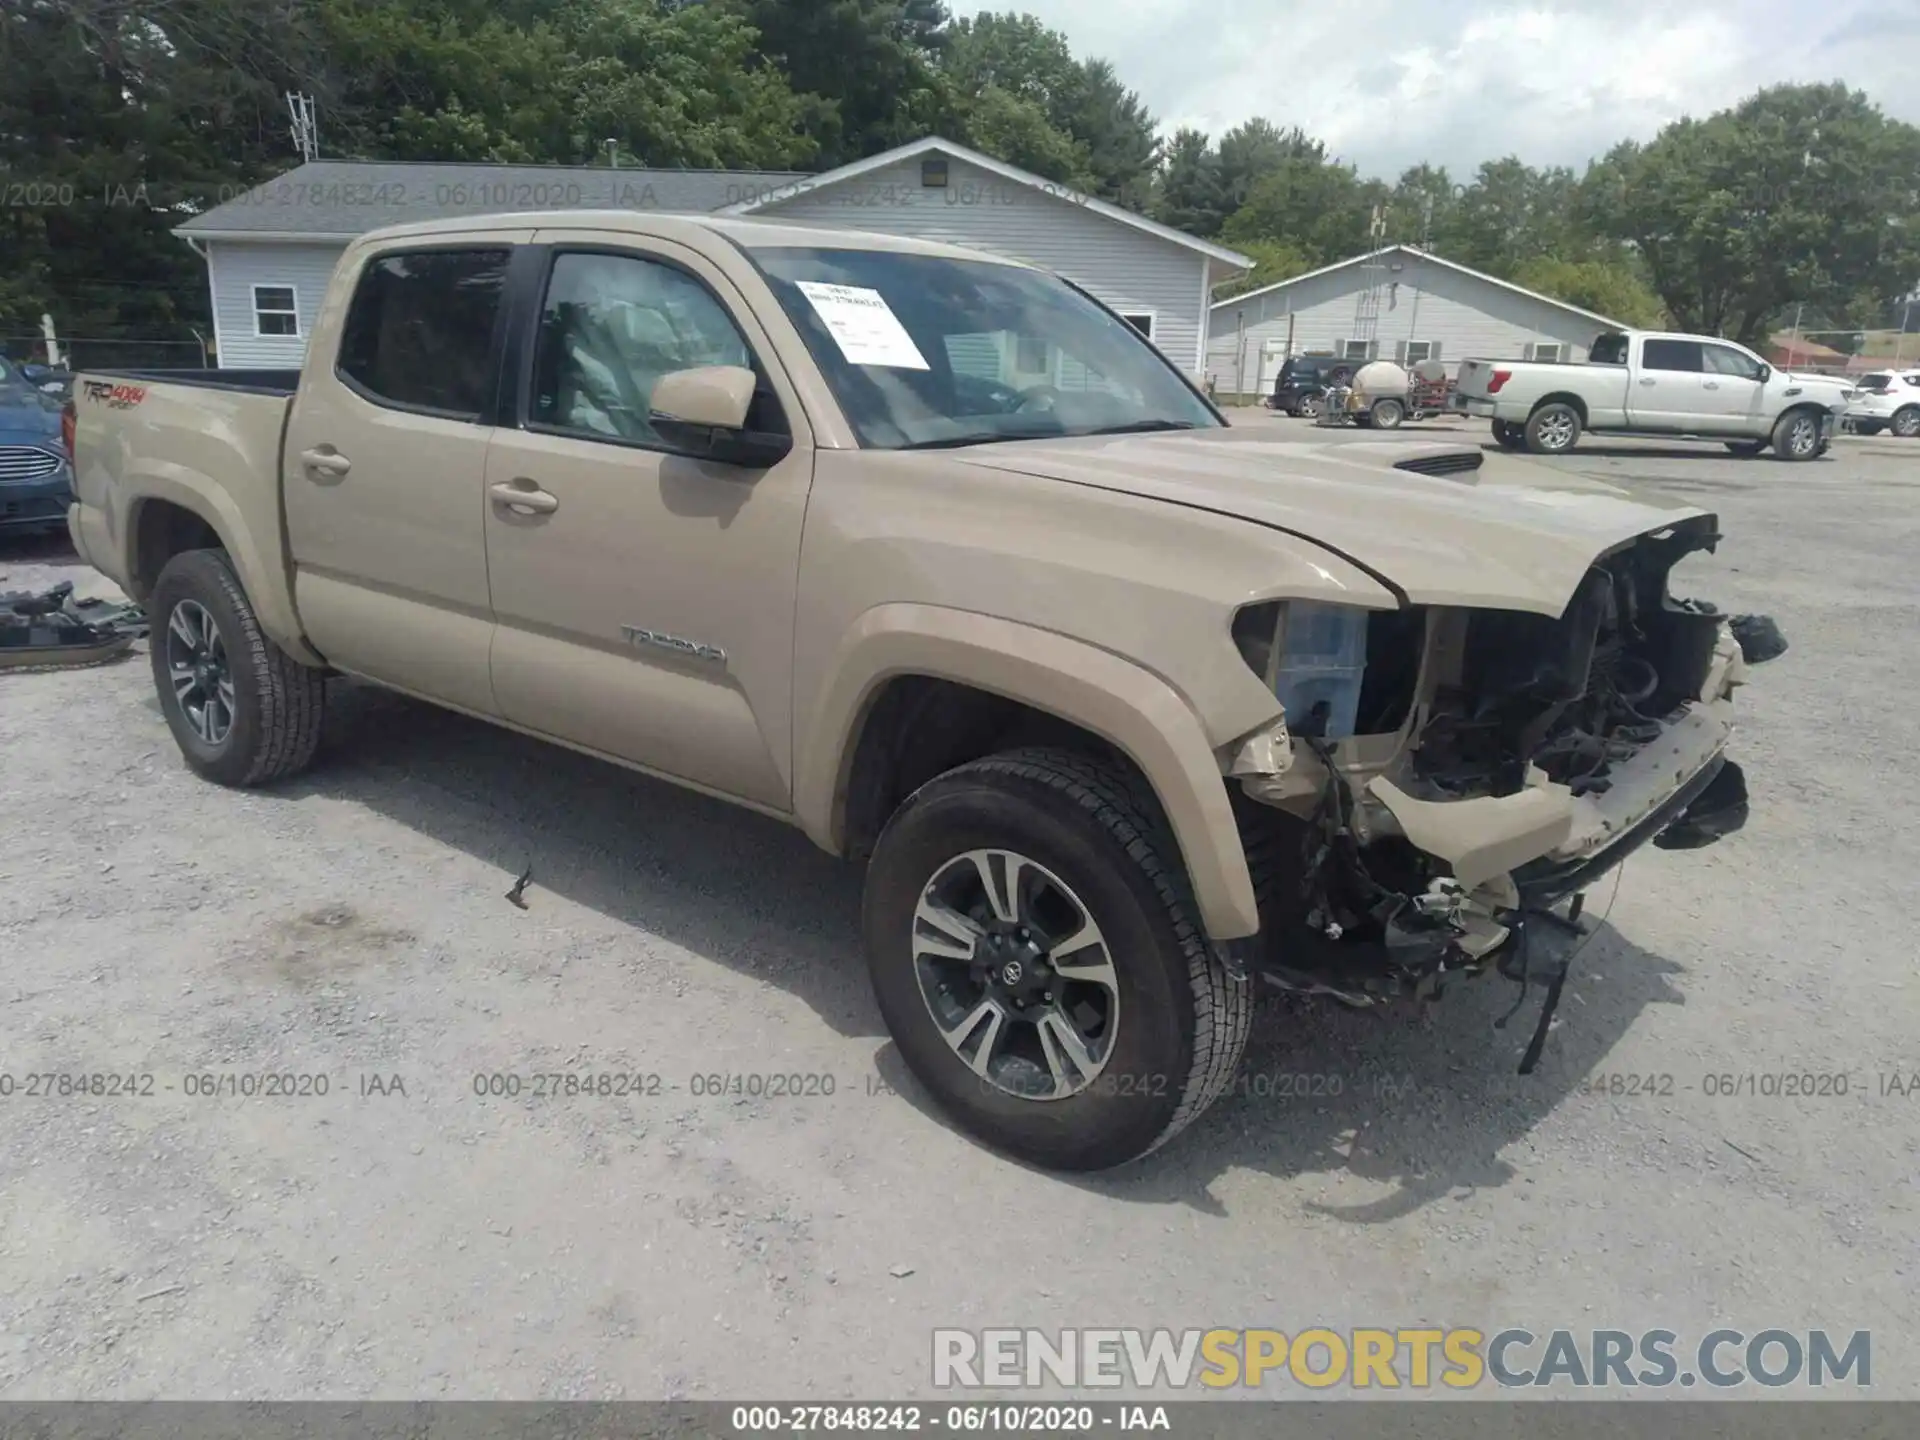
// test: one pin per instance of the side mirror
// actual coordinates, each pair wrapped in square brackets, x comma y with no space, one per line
[35,373]
[703,411]
[1766,373]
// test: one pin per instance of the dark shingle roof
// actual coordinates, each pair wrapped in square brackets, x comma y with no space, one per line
[349,197]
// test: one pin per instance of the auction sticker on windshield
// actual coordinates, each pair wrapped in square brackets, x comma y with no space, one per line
[863,325]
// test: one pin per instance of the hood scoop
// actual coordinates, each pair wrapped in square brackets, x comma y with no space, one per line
[1453,464]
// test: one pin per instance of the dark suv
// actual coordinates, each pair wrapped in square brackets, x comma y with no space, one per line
[1304,380]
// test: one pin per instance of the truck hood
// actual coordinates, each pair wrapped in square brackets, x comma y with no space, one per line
[1464,539]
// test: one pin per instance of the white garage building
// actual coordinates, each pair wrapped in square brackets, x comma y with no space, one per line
[269,252]
[1399,304]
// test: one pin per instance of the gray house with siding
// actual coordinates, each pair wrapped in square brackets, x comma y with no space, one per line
[1426,308]
[270,251]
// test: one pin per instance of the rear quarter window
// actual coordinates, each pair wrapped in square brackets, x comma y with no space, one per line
[419,332]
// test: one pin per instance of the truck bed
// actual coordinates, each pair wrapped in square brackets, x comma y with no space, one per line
[249,382]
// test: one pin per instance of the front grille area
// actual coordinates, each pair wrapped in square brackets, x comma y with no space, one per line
[26,462]
[1454,463]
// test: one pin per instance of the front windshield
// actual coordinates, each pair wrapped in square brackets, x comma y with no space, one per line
[924,351]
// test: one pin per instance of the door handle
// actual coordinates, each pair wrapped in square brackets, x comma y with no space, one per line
[524,496]
[326,460]
[1646,380]
[1710,384]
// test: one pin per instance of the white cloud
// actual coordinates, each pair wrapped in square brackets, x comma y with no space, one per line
[1388,83]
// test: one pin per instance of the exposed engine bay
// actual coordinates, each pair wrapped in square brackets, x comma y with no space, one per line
[1498,763]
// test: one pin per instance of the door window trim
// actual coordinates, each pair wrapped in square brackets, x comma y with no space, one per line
[496,346]
[518,414]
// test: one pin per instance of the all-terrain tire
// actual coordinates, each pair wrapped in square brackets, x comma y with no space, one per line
[278,702]
[1553,429]
[1796,436]
[1182,1020]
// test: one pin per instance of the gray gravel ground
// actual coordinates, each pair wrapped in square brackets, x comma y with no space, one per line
[427,1242]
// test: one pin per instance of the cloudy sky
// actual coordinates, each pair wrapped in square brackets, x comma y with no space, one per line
[1390,82]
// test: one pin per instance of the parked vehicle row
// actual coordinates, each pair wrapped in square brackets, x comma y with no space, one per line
[1646,383]
[35,474]
[1886,400]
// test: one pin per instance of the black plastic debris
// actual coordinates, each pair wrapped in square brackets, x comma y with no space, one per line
[50,628]
[1760,639]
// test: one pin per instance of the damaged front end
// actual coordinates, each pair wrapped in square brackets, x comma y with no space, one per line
[1448,779]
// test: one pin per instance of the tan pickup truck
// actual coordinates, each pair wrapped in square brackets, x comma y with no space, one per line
[933,556]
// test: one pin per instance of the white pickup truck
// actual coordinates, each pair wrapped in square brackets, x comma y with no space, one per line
[1642,383]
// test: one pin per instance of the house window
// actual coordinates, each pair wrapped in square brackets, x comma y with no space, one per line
[1141,320]
[1356,349]
[1550,351]
[1030,355]
[276,310]
[1418,350]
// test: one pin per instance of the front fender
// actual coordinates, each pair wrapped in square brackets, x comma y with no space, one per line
[1131,708]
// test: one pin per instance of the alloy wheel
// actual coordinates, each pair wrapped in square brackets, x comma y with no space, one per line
[1556,431]
[198,667]
[1016,974]
[1803,435]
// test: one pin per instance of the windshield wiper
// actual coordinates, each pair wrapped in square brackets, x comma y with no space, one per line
[1140,427]
[982,437]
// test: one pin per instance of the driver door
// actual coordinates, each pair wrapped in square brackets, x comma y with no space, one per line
[643,596]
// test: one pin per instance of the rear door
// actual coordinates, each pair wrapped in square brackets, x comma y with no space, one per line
[1666,393]
[385,471]
[644,596]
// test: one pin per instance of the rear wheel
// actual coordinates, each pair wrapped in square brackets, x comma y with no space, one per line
[1906,421]
[1796,436]
[1038,959]
[242,710]
[1387,414]
[1307,407]
[1553,429]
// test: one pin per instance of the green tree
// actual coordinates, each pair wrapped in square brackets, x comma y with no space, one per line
[1802,193]
[1104,125]
[1320,208]
[1607,287]
[1191,194]
[1273,261]
[872,64]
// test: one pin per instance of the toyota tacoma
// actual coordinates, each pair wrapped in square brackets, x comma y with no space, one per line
[1125,711]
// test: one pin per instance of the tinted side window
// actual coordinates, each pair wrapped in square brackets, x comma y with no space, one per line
[1721,360]
[1682,355]
[419,332]
[610,327]
[1608,350]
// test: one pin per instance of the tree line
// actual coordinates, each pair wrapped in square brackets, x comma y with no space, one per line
[118,118]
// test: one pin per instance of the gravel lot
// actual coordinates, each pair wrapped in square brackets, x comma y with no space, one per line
[427,1242]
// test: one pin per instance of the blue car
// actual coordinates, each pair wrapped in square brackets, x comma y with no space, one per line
[36,473]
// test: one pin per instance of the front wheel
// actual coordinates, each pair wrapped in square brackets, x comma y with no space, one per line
[241,709]
[1906,422]
[1553,429]
[1038,959]
[1797,436]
